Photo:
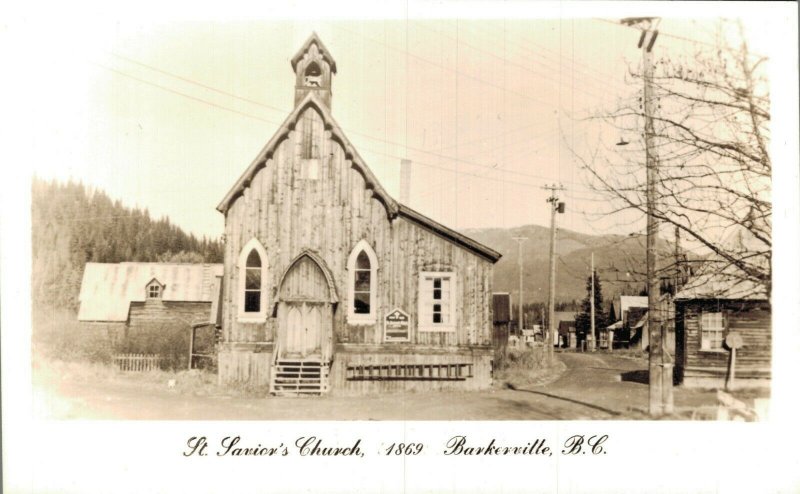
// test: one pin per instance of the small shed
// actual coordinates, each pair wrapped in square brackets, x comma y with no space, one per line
[712,309]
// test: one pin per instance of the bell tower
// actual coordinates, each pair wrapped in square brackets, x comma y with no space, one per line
[314,67]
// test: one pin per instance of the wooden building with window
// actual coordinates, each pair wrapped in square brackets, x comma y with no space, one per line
[708,312]
[330,283]
[145,295]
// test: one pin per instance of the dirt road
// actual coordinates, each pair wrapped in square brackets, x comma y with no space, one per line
[593,386]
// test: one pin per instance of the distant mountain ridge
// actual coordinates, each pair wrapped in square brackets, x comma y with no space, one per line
[619,261]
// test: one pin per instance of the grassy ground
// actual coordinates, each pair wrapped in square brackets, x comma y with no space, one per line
[50,372]
[526,367]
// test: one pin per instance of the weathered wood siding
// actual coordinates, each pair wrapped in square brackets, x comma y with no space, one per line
[751,319]
[248,363]
[289,213]
[350,355]
[154,313]
[110,332]
[305,281]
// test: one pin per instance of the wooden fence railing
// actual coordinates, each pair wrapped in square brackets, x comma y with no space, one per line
[137,362]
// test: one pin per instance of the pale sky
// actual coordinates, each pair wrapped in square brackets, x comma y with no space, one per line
[166,114]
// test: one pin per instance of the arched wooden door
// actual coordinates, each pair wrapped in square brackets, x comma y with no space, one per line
[305,312]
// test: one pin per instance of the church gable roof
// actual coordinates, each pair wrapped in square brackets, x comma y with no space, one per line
[393,208]
[310,101]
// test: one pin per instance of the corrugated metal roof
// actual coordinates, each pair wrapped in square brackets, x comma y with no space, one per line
[628,301]
[107,290]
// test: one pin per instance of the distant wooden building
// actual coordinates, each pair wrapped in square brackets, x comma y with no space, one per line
[629,311]
[565,322]
[140,295]
[708,313]
[330,283]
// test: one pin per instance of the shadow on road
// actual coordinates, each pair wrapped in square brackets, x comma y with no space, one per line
[642,376]
[588,405]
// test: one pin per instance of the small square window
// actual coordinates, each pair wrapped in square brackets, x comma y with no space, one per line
[154,291]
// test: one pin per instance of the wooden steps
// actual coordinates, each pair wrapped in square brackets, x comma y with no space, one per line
[299,377]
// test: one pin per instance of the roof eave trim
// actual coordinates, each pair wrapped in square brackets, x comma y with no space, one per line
[311,100]
[452,235]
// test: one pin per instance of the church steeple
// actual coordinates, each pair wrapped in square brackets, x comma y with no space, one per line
[314,68]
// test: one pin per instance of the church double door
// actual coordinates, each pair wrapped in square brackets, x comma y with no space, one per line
[302,327]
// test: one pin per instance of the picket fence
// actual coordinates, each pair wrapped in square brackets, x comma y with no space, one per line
[137,362]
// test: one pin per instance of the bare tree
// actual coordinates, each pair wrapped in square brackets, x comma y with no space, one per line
[711,139]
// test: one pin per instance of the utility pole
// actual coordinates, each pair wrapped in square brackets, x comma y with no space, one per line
[520,240]
[677,280]
[554,206]
[660,371]
[591,301]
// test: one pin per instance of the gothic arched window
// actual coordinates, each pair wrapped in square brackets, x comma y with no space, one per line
[362,267]
[252,278]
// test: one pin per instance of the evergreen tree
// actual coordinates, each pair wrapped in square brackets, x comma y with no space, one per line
[583,322]
[72,225]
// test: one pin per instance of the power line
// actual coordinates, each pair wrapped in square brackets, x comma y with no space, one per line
[525,52]
[675,36]
[523,67]
[464,74]
[378,139]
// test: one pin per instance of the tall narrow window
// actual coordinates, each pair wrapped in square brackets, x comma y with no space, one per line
[437,301]
[252,282]
[712,327]
[362,284]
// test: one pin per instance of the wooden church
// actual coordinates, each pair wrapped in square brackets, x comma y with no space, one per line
[330,284]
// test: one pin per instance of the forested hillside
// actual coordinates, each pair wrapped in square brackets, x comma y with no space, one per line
[72,225]
[619,260]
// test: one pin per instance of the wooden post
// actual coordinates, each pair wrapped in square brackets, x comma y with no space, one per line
[554,206]
[191,345]
[733,341]
[591,301]
[732,375]
[520,324]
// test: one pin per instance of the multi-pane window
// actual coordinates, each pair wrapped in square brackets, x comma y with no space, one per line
[154,291]
[252,283]
[437,301]
[251,279]
[362,284]
[712,328]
